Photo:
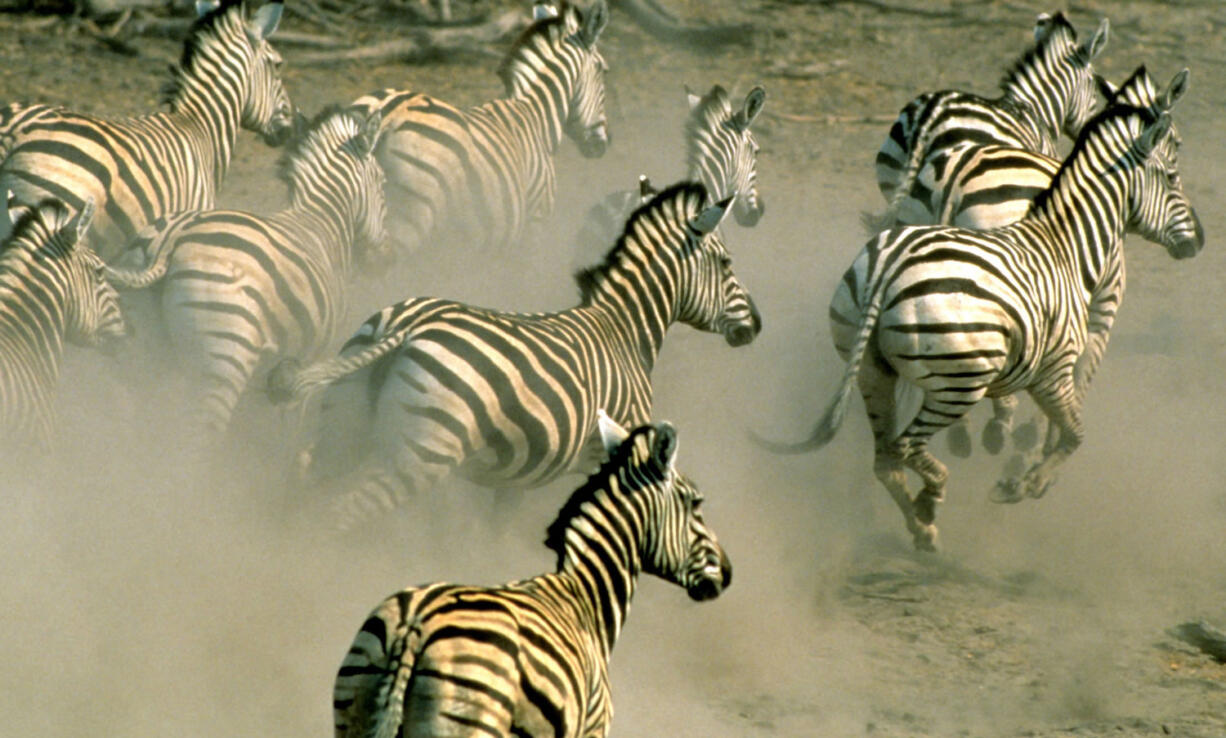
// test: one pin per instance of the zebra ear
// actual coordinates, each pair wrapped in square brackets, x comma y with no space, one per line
[540,11]
[753,105]
[1095,45]
[1175,90]
[646,189]
[204,7]
[265,21]
[612,434]
[368,133]
[710,218]
[1042,27]
[1105,87]
[593,22]
[79,224]
[664,450]
[1153,135]
[691,98]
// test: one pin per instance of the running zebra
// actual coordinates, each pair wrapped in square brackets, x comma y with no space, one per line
[241,290]
[986,187]
[139,169]
[482,174]
[932,319]
[531,658]
[51,290]
[430,386]
[1050,89]
[721,153]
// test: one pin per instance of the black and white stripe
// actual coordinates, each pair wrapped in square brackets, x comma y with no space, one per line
[932,319]
[52,290]
[139,169]
[721,153]
[240,290]
[429,386]
[530,658]
[1049,90]
[481,175]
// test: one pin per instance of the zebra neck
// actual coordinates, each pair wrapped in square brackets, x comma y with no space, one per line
[31,328]
[210,136]
[711,173]
[637,314]
[602,557]
[330,225]
[542,117]
[1039,109]
[1089,221]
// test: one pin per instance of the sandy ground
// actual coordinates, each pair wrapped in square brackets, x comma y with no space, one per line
[142,599]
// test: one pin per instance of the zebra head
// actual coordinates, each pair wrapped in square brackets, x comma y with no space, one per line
[587,124]
[267,109]
[712,298]
[92,316]
[1159,208]
[722,152]
[676,544]
[372,241]
[1060,74]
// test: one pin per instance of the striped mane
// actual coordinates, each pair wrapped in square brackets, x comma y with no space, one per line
[555,536]
[220,21]
[550,30]
[332,128]
[694,195]
[1102,120]
[1063,33]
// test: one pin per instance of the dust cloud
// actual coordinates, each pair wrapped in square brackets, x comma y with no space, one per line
[146,595]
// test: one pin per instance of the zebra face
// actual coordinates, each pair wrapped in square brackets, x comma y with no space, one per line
[371,241]
[101,320]
[1161,211]
[1069,68]
[717,301]
[267,110]
[750,206]
[679,545]
[722,152]
[92,315]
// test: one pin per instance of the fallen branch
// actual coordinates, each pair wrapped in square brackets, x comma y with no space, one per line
[662,24]
[805,71]
[424,43]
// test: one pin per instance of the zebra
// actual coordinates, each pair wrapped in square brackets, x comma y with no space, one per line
[139,169]
[531,658]
[52,290]
[1050,89]
[240,290]
[427,386]
[484,173]
[931,319]
[985,187]
[721,152]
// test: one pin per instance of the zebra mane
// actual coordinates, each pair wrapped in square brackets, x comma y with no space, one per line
[694,195]
[1137,90]
[51,214]
[1062,32]
[552,27]
[331,128]
[555,535]
[714,109]
[1103,119]
[208,26]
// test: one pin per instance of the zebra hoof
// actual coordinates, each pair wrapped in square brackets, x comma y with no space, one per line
[959,440]
[926,538]
[994,436]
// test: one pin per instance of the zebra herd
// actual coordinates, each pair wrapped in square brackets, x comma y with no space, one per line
[994,268]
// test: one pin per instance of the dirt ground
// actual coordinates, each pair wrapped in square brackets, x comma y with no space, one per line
[143,599]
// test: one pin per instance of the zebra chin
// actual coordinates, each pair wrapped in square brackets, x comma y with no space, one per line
[595,141]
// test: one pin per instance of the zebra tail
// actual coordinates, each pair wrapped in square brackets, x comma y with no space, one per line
[157,240]
[391,717]
[832,418]
[289,381]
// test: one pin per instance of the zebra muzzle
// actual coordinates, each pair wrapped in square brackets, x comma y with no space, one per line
[595,141]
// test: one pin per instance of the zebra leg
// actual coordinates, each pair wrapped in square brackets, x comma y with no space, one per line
[1065,435]
[1003,410]
[878,390]
[934,474]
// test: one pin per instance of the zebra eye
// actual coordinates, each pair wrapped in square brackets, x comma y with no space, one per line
[725,262]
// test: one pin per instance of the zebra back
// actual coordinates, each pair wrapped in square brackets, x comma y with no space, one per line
[51,290]
[240,290]
[1051,88]
[139,169]
[480,175]
[441,658]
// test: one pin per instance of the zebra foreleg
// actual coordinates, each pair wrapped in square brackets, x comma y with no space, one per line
[1064,437]
[998,428]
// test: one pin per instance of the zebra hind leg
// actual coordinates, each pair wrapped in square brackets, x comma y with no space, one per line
[997,429]
[958,436]
[1064,436]
[879,401]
